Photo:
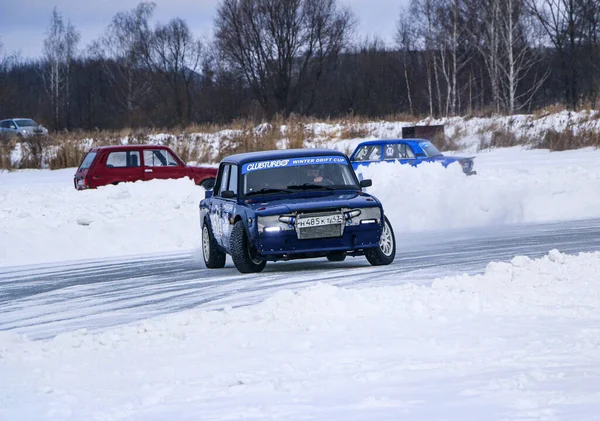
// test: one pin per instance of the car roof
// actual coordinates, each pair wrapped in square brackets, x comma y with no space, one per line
[132,146]
[243,158]
[393,141]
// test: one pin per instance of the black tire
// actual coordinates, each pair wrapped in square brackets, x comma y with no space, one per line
[241,253]
[207,183]
[213,257]
[385,252]
[337,256]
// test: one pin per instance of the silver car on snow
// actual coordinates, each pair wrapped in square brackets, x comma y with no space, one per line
[21,127]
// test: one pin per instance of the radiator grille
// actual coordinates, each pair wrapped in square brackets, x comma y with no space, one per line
[323,231]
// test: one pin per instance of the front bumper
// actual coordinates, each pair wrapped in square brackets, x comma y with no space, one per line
[286,245]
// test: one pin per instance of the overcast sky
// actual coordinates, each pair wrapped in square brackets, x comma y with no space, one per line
[23,23]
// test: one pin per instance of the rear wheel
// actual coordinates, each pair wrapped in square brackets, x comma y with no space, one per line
[208,183]
[337,256]
[243,257]
[385,252]
[213,257]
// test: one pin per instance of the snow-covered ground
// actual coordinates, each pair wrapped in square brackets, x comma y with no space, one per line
[44,219]
[519,342]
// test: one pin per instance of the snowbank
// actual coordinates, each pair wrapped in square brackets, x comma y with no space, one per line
[44,219]
[517,342]
[515,186]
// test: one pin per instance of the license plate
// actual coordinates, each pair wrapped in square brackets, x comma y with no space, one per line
[317,221]
[79,182]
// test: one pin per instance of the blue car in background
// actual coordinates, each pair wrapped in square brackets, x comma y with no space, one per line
[405,151]
[291,204]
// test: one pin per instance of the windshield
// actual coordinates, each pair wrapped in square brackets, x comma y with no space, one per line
[429,149]
[295,174]
[87,162]
[26,122]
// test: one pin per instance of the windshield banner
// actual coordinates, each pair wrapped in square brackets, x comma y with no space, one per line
[292,162]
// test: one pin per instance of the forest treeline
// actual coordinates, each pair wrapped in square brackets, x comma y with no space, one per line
[272,58]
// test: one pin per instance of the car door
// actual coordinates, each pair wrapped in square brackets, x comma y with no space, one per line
[406,155]
[8,128]
[118,166]
[367,154]
[160,163]
[421,154]
[222,209]
[4,128]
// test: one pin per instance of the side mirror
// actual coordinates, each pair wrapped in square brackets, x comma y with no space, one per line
[227,194]
[366,183]
[208,194]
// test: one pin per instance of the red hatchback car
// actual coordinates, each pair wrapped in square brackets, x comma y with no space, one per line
[115,164]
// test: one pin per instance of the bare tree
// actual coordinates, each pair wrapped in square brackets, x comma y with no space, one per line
[485,37]
[123,45]
[405,39]
[174,56]
[453,51]
[560,20]
[519,58]
[59,49]
[71,39]
[282,46]
[590,32]
[424,24]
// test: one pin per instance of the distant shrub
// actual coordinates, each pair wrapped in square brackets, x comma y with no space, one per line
[354,131]
[568,139]
[7,145]
[446,143]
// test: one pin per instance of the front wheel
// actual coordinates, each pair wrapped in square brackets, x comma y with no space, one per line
[385,252]
[241,253]
[213,257]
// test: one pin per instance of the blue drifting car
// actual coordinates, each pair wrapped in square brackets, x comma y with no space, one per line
[291,204]
[405,151]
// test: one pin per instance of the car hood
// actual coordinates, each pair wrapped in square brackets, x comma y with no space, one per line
[302,203]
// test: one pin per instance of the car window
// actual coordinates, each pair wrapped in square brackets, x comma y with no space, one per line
[368,153]
[297,174]
[390,151]
[223,179]
[233,178]
[88,160]
[405,151]
[8,124]
[429,149]
[123,159]
[159,158]
[26,122]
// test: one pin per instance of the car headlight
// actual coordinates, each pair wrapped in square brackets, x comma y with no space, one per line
[357,216]
[275,223]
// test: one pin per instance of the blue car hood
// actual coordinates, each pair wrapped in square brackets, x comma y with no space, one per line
[302,203]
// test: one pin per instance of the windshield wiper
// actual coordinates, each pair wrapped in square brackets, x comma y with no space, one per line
[267,190]
[309,186]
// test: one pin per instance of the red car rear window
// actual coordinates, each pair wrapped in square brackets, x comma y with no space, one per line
[88,160]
